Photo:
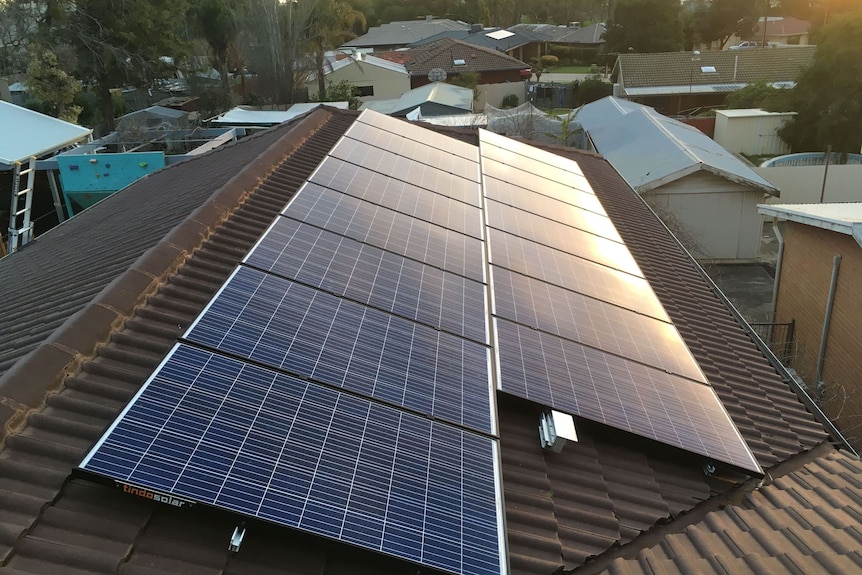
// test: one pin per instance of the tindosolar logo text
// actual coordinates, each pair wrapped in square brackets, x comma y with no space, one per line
[155,496]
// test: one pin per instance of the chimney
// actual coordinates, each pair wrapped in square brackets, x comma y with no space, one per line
[575,25]
[476,28]
[429,17]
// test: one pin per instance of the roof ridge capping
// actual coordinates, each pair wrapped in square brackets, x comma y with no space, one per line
[80,335]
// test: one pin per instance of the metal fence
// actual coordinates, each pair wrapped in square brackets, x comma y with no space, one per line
[779,337]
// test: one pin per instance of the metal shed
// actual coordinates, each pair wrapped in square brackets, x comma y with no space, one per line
[751,131]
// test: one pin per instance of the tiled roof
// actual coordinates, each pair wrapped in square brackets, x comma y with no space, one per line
[731,67]
[807,521]
[403,33]
[444,52]
[603,491]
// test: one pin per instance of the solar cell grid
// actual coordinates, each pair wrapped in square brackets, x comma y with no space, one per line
[561,237]
[592,322]
[496,143]
[418,151]
[390,230]
[313,334]
[372,276]
[626,395]
[512,166]
[399,196]
[266,445]
[574,273]
[417,133]
[562,212]
[509,193]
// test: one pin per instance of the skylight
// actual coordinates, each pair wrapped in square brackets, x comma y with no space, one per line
[499,34]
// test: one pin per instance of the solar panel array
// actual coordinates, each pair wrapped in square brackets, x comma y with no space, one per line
[339,382]
[577,326]
[342,380]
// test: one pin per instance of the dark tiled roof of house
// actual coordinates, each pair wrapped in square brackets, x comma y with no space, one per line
[604,491]
[444,52]
[731,67]
[403,33]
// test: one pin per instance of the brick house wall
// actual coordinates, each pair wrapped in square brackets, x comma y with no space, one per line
[802,296]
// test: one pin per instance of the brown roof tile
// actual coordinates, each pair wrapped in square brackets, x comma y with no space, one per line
[443,53]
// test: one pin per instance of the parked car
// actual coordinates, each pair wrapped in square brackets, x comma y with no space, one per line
[746,45]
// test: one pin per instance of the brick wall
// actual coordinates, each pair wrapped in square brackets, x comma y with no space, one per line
[803,291]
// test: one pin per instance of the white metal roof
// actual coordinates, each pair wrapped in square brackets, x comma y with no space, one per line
[650,150]
[243,117]
[34,134]
[752,113]
[363,60]
[438,93]
[844,218]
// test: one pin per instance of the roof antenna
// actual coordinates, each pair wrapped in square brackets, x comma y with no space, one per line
[236,538]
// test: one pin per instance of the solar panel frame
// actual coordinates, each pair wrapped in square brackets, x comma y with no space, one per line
[291,327]
[372,276]
[256,442]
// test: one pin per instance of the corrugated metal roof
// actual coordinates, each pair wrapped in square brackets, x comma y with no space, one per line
[35,134]
[240,116]
[844,218]
[650,149]
[449,95]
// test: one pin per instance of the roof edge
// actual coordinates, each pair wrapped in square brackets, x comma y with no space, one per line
[787,212]
[78,338]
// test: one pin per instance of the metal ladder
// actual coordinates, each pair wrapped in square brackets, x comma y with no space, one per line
[20,224]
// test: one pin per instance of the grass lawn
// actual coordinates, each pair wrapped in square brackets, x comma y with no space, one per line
[569,70]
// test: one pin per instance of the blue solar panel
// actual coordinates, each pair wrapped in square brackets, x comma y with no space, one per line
[373,276]
[310,333]
[618,392]
[214,430]
[434,207]
[389,230]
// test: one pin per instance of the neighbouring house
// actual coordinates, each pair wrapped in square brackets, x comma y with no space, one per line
[400,34]
[279,356]
[683,82]
[752,132]
[587,41]
[818,275]
[28,193]
[498,74]
[521,44]
[780,31]
[435,99]
[374,78]
[706,194]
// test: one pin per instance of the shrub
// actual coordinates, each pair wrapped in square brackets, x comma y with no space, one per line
[549,60]
[510,101]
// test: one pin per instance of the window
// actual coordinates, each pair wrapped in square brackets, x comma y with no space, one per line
[364,91]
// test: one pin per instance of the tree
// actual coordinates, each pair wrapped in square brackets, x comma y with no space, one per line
[645,26]
[826,96]
[718,20]
[52,85]
[331,25]
[343,91]
[760,95]
[216,21]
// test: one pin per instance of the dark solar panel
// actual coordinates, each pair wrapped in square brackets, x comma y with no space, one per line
[310,333]
[561,212]
[418,151]
[574,273]
[400,196]
[626,395]
[213,430]
[592,322]
[416,132]
[373,276]
[561,237]
[390,230]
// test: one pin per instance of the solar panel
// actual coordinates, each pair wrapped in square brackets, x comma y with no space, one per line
[213,430]
[495,144]
[562,212]
[399,196]
[390,230]
[311,333]
[440,158]
[416,132]
[509,193]
[618,392]
[574,273]
[372,276]
[560,237]
[592,322]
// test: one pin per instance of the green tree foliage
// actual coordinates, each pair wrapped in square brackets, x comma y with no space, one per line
[827,94]
[591,89]
[343,91]
[331,24]
[217,22]
[760,95]
[718,20]
[645,26]
[52,85]
[117,42]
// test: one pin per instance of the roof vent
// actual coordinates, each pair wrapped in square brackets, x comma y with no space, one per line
[556,429]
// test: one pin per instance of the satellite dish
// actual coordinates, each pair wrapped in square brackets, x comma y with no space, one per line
[437,75]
